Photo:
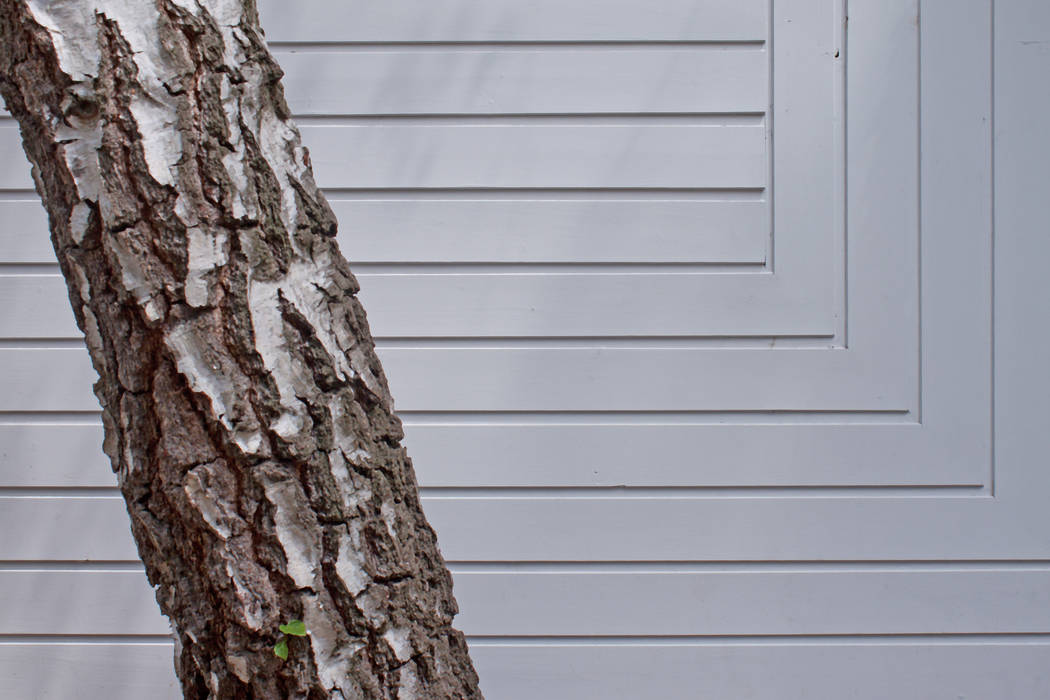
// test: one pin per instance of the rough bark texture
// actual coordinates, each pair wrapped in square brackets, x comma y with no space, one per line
[246,414]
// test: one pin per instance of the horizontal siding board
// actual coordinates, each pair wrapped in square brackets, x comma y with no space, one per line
[564,229]
[79,603]
[698,455]
[754,603]
[567,452]
[1004,670]
[497,155]
[511,20]
[597,304]
[556,379]
[14,167]
[66,529]
[53,455]
[47,380]
[514,156]
[811,672]
[599,604]
[535,81]
[88,670]
[521,304]
[24,236]
[602,379]
[779,527]
[31,306]
[569,528]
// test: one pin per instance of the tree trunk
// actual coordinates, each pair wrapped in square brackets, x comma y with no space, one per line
[246,413]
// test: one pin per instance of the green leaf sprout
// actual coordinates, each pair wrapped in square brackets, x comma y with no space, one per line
[293,628]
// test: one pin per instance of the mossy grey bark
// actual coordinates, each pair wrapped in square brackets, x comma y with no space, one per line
[246,413]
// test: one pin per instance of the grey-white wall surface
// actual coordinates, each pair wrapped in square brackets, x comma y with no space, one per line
[719,329]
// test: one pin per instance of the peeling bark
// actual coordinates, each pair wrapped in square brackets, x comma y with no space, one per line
[246,413]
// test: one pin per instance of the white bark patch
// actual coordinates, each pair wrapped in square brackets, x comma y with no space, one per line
[83,285]
[251,608]
[153,310]
[398,640]
[337,465]
[288,425]
[372,604]
[352,494]
[268,325]
[249,441]
[409,687]
[390,518]
[350,566]
[235,161]
[277,141]
[206,251]
[74,28]
[75,43]
[131,274]
[358,358]
[78,219]
[91,333]
[210,505]
[302,287]
[298,287]
[188,351]
[154,111]
[225,13]
[297,530]
[333,652]
[358,456]
[127,464]
[161,141]
[185,212]
[213,682]
[81,141]
[186,347]
[91,330]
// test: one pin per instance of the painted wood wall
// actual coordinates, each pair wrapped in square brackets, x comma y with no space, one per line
[718,327]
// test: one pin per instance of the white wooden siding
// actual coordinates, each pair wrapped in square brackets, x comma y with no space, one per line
[717,326]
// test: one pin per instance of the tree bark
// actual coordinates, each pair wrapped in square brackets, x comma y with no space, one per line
[246,413]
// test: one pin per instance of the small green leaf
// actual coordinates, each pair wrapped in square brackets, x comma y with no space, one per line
[296,628]
[280,649]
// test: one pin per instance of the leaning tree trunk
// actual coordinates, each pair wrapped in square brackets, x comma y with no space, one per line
[246,413]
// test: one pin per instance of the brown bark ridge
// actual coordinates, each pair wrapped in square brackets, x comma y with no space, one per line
[246,413]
